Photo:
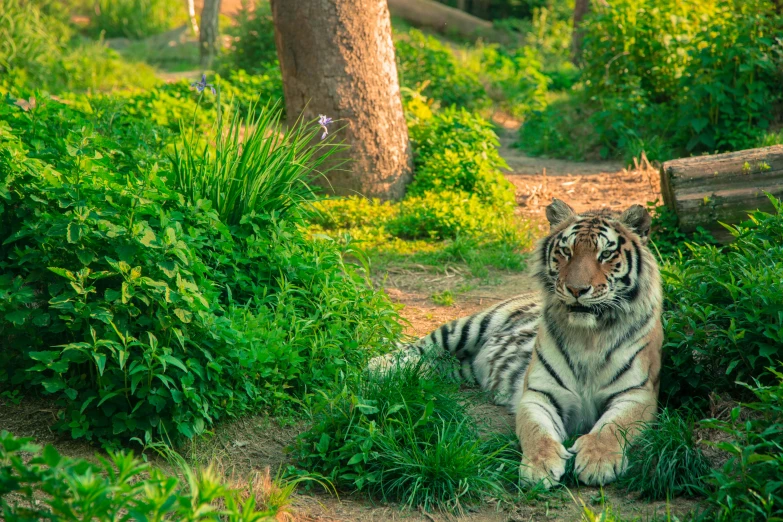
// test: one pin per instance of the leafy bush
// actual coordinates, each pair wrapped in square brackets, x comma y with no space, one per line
[457,194]
[140,309]
[403,435]
[664,461]
[447,214]
[40,484]
[513,79]
[722,311]
[692,76]
[253,40]
[427,65]
[457,151]
[135,19]
[748,486]
[560,130]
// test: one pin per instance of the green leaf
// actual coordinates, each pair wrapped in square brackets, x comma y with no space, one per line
[170,359]
[356,459]
[44,357]
[103,315]
[323,444]
[85,257]
[53,384]
[367,409]
[168,267]
[18,317]
[100,362]
[63,272]
[184,315]
[51,456]
[75,232]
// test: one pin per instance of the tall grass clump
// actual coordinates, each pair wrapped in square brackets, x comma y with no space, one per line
[256,165]
[664,461]
[402,434]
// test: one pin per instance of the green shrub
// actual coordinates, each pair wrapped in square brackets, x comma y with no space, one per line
[427,65]
[681,77]
[402,434]
[253,40]
[135,19]
[722,312]
[142,311]
[446,214]
[664,461]
[351,212]
[561,130]
[513,79]
[733,76]
[748,486]
[40,484]
[457,151]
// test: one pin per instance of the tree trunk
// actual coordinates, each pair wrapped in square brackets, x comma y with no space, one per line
[208,36]
[581,8]
[724,187]
[337,59]
[191,7]
[440,18]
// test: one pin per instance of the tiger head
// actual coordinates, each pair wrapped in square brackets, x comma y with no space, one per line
[595,265]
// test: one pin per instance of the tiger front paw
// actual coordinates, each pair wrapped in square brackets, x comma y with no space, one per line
[599,458]
[543,463]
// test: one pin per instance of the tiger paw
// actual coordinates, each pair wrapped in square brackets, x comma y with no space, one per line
[543,463]
[599,458]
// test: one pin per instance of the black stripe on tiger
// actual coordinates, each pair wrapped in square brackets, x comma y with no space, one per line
[551,371]
[463,339]
[556,405]
[625,367]
[612,397]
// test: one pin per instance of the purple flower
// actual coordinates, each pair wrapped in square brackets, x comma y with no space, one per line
[200,86]
[323,121]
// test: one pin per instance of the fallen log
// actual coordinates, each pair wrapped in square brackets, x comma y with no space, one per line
[704,190]
[439,17]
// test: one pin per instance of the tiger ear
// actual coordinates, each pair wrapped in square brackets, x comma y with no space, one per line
[637,219]
[557,212]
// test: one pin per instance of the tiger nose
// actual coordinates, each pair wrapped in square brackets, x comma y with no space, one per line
[578,291]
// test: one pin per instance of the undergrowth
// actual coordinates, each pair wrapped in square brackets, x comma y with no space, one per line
[664,460]
[141,309]
[402,434]
[40,484]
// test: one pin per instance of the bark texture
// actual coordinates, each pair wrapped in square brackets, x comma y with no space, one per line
[581,8]
[439,17]
[208,35]
[724,187]
[337,59]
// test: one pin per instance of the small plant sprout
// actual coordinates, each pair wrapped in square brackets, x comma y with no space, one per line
[200,86]
[324,121]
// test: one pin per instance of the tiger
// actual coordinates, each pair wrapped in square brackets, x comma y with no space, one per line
[579,358]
